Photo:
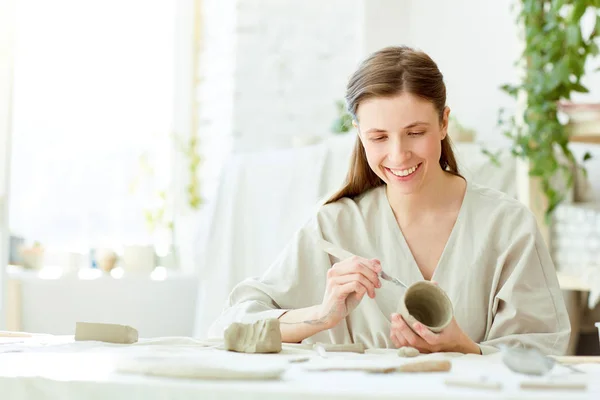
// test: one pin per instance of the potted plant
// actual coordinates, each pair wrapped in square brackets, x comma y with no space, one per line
[553,61]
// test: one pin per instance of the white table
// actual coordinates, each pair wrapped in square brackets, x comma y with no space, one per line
[85,370]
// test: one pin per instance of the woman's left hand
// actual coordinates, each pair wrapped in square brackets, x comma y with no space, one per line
[451,339]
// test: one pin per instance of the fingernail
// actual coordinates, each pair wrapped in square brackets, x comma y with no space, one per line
[378,283]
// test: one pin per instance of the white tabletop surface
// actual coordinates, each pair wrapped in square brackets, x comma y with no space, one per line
[59,368]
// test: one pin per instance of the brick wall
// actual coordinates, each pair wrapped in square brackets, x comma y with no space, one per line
[273,69]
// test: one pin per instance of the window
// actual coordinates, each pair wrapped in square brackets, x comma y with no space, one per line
[93,95]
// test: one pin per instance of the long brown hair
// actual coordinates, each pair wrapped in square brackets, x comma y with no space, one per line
[385,73]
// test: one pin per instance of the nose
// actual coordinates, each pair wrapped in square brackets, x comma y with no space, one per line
[399,151]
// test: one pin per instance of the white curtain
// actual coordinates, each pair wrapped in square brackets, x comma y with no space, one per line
[6,61]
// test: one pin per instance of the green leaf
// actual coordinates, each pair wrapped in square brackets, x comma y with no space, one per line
[587,156]
[578,87]
[510,89]
[559,74]
[578,10]
[494,157]
[573,35]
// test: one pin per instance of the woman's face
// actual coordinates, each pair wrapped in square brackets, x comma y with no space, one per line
[402,139]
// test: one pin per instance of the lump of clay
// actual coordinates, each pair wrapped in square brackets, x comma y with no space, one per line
[408,352]
[110,333]
[263,336]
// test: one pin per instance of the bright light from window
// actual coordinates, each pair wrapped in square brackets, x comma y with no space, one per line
[93,92]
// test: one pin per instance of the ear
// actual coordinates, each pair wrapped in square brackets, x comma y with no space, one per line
[354,124]
[445,119]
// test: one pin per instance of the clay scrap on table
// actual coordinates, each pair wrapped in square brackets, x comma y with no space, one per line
[263,336]
[110,333]
[350,347]
[406,351]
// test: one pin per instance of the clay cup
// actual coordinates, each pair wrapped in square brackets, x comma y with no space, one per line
[427,303]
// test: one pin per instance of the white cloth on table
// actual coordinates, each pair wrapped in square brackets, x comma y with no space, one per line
[86,370]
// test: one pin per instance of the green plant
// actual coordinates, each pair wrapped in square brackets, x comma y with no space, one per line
[160,213]
[343,122]
[553,63]
[191,152]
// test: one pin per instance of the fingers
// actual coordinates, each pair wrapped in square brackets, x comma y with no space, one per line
[433,339]
[356,277]
[406,336]
[395,335]
[368,268]
[346,289]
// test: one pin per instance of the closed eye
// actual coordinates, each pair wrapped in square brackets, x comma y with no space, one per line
[379,138]
[415,133]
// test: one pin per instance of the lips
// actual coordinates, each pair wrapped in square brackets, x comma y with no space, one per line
[404,172]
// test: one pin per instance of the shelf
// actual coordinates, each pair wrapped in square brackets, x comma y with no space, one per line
[591,139]
[571,282]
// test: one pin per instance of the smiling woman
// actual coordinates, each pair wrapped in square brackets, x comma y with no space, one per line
[405,208]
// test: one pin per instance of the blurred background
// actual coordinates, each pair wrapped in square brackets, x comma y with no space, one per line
[154,153]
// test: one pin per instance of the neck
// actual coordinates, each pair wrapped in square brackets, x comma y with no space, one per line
[426,200]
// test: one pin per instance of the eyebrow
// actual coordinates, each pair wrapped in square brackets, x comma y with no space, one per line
[416,123]
[411,125]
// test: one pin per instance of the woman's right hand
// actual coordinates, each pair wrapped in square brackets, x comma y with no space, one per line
[347,282]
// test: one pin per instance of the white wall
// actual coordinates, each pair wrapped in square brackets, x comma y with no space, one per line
[272,69]
[474,43]
[293,59]
[289,61]
[216,87]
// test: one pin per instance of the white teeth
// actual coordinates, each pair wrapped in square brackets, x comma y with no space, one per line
[404,172]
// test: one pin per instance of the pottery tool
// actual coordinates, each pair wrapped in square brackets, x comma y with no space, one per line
[413,367]
[536,385]
[342,254]
[566,360]
[426,366]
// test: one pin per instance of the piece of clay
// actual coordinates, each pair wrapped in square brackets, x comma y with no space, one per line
[426,366]
[110,333]
[406,351]
[349,348]
[263,336]
[427,303]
